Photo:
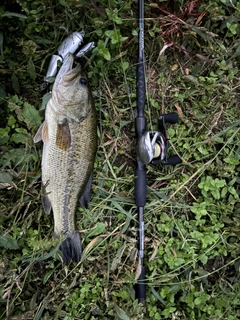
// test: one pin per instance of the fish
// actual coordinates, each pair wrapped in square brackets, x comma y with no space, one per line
[69,135]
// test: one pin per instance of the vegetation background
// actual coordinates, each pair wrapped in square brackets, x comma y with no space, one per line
[192,238]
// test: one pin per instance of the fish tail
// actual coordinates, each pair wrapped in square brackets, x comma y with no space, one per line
[71,247]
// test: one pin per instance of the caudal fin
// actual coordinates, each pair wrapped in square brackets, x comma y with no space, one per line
[71,248]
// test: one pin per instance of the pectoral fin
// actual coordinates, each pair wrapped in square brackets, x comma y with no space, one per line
[42,133]
[85,197]
[63,137]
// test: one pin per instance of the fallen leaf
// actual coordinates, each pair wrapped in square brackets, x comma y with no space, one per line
[179,110]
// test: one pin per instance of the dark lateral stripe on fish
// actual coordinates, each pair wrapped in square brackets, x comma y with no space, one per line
[63,137]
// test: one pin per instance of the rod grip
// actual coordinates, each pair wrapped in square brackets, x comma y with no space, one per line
[141,287]
[140,182]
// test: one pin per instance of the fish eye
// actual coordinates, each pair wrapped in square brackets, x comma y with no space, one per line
[83,81]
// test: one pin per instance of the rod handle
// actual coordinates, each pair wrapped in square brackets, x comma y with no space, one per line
[141,287]
[140,182]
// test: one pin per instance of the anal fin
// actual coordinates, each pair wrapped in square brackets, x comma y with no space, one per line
[46,203]
[85,197]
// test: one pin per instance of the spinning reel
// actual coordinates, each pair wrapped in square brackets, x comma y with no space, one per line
[152,147]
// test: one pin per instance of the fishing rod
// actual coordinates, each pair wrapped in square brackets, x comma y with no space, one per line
[140,171]
[152,148]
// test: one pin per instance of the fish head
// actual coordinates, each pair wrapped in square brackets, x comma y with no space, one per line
[71,93]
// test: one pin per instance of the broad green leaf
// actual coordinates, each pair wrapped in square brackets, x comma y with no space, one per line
[31,116]
[64,3]
[121,313]
[13,157]
[125,65]
[4,135]
[5,177]
[8,243]
[31,69]
[191,78]
[106,54]
[99,229]
[45,100]
[15,83]
[19,137]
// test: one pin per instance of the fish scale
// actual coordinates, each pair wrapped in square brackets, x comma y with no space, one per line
[70,142]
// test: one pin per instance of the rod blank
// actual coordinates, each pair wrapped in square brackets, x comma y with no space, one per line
[140,180]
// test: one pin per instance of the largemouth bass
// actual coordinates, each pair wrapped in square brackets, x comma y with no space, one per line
[69,135]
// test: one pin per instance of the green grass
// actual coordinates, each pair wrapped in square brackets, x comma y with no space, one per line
[192,224]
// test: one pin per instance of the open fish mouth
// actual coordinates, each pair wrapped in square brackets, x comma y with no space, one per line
[69,70]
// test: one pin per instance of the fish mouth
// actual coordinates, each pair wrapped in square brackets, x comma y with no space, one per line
[69,69]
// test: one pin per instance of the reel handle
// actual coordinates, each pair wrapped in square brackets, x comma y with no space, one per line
[173,160]
[171,117]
